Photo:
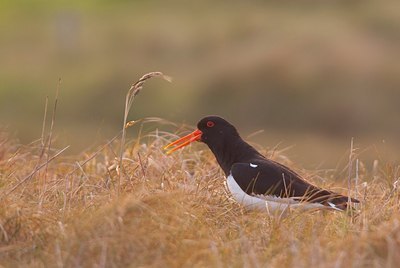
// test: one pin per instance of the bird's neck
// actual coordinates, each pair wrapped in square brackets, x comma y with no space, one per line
[234,151]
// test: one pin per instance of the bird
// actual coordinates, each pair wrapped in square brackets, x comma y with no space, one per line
[254,181]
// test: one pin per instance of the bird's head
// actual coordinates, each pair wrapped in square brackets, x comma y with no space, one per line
[212,130]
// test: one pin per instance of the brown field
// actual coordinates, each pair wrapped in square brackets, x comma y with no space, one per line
[174,211]
[312,74]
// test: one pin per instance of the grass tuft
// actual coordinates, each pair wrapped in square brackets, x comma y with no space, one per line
[175,211]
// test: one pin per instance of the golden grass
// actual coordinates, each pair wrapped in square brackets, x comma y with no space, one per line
[174,211]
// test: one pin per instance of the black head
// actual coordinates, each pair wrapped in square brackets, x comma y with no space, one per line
[212,130]
[224,141]
[222,138]
[215,130]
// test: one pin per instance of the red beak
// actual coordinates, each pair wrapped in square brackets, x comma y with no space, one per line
[184,141]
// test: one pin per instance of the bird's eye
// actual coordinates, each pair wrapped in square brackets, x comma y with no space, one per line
[210,124]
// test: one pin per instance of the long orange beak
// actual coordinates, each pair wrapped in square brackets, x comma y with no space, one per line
[184,141]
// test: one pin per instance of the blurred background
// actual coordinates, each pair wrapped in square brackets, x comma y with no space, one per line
[310,74]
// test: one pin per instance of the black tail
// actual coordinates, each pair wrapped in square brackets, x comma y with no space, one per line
[341,202]
[331,199]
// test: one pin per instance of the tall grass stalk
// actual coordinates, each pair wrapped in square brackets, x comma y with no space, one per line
[350,167]
[130,96]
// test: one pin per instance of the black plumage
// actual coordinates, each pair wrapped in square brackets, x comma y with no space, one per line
[255,174]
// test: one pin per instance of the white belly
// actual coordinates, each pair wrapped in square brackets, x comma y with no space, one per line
[270,204]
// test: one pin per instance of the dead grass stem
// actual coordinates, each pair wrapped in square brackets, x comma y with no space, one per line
[130,96]
[174,211]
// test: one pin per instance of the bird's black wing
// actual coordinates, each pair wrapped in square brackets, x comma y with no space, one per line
[266,177]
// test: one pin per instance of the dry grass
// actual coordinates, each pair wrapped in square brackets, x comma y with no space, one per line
[140,207]
[173,211]
[130,97]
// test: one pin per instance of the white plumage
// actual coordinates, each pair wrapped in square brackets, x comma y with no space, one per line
[269,203]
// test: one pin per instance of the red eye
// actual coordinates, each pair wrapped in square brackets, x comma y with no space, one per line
[210,124]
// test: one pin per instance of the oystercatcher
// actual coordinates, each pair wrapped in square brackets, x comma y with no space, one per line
[253,180]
